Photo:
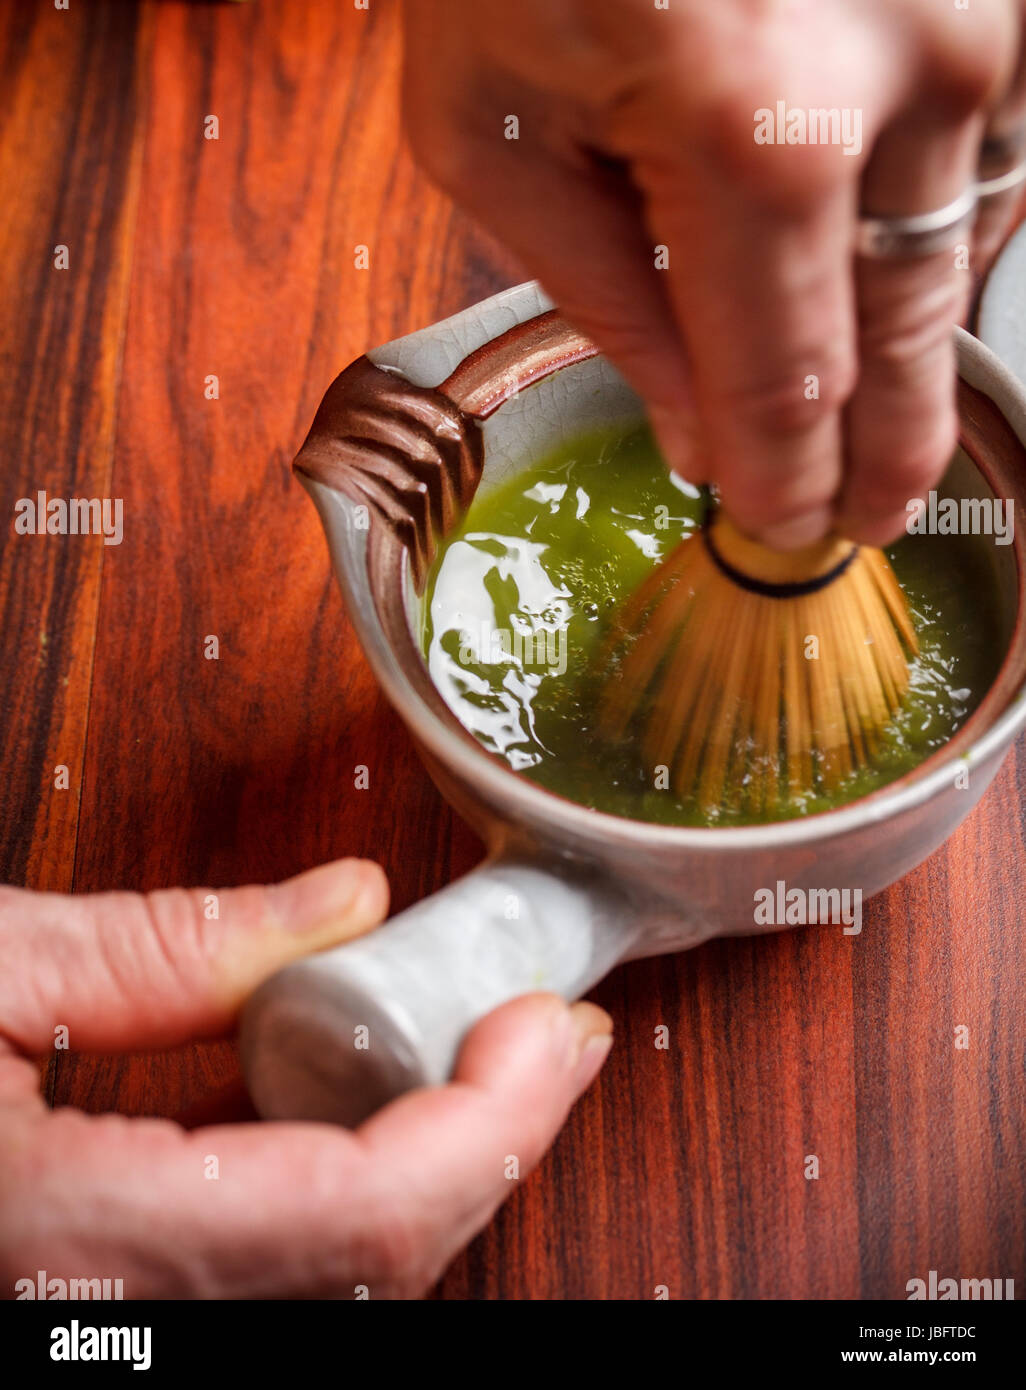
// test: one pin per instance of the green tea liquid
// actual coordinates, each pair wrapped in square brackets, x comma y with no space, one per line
[522,594]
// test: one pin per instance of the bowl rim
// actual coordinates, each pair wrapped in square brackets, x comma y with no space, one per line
[515,799]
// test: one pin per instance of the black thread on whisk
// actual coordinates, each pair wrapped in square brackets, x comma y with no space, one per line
[766,589]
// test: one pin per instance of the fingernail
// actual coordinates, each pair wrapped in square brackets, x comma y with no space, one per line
[334,899]
[593,1037]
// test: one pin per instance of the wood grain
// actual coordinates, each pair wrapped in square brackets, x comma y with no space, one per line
[682,1167]
[69,161]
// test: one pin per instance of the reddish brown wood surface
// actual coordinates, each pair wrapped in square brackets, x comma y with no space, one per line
[189,257]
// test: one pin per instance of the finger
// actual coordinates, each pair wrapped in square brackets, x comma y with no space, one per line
[760,229]
[1004,148]
[456,1152]
[596,259]
[902,421]
[574,220]
[764,298]
[20,1083]
[246,1211]
[126,970]
[998,212]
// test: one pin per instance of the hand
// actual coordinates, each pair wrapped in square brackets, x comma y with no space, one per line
[295,1209]
[815,392]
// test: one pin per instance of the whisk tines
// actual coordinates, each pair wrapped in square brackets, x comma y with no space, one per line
[757,675]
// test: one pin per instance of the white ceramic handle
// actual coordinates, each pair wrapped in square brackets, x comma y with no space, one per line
[337,1035]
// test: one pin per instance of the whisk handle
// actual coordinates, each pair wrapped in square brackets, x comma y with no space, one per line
[337,1035]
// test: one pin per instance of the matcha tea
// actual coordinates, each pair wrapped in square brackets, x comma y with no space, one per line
[521,596]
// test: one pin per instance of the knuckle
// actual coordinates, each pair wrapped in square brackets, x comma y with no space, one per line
[154,947]
[782,404]
[912,351]
[778,409]
[967,66]
[789,154]
[906,321]
[175,942]
[788,179]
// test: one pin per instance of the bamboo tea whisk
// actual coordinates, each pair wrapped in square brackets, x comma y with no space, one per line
[759,676]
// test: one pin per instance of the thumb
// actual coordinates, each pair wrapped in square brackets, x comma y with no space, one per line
[130,970]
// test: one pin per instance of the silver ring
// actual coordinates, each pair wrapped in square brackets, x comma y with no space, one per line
[922,234]
[1002,183]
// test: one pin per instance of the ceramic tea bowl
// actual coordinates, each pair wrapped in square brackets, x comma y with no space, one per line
[403,439]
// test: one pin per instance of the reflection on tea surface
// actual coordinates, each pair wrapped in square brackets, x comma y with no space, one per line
[522,594]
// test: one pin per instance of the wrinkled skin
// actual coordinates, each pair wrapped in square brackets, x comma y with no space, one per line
[297,1209]
[636,130]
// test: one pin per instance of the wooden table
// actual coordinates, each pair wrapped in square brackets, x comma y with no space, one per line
[234,258]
